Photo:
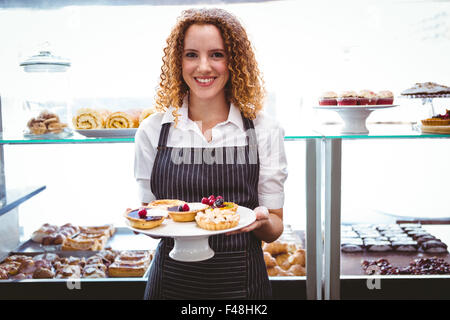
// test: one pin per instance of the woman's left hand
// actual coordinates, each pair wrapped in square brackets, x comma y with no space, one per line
[262,217]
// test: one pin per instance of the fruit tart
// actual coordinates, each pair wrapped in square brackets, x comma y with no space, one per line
[165,203]
[217,219]
[146,218]
[438,120]
[186,212]
[219,202]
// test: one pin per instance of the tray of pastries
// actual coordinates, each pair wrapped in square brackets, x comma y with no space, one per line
[75,265]
[69,237]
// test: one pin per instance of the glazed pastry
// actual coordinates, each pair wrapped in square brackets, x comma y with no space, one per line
[277,271]
[276,247]
[298,257]
[81,244]
[282,261]
[123,119]
[87,118]
[93,272]
[297,270]
[108,229]
[130,264]
[186,212]
[269,260]
[217,219]
[69,271]
[146,218]
[43,273]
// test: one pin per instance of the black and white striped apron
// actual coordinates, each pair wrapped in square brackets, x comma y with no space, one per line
[237,269]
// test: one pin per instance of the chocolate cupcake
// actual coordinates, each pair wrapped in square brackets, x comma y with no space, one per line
[328,98]
[347,98]
[385,97]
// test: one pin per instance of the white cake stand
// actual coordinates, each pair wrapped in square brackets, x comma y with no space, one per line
[354,117]
[190,241]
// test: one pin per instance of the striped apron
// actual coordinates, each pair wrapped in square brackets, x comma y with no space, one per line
[237,269]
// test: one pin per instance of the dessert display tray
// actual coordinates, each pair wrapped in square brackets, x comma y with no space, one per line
[108,133]
[191,241]
[123,239]
[355,117]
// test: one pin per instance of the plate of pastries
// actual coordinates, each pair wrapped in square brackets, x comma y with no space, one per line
[178,218]
[102,123]
[103,264]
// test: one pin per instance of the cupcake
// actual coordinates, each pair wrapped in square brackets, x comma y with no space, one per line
[347,98]
[367,97]
[385,97]
[328,99]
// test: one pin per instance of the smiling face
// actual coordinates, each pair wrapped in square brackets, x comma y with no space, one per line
[205,62]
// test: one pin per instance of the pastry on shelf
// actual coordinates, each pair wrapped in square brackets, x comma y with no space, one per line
[108,229]
[123,119]
[71,244]
[367,97]
[328,98]
[87,118]
[217,219]
[385,97]
[146,218]
[347,98]
[275,248]
[186,212]
[46,122]
[438,120]
[269,260]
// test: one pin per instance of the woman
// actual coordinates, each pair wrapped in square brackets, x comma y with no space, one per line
[209,99]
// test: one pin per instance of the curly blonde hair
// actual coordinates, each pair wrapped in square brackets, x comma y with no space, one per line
[245,87]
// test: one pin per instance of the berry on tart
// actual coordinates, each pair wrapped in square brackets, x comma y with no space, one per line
[186,212]
[145,218]
[220,203]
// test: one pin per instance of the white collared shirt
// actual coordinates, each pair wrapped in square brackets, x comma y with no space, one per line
[231,132]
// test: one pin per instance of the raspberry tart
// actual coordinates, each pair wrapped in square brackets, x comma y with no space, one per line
[165,203]
[146,218]
[219,203]
[217,219]
[186,212]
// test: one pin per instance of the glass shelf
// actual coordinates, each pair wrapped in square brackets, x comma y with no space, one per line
[330,131]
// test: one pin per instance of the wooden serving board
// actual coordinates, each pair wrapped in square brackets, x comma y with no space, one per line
[436,129]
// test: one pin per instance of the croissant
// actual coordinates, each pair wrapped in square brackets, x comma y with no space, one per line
[298,257]
[276,247]
[269,260]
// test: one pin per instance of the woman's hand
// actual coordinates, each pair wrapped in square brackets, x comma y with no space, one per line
[262,217]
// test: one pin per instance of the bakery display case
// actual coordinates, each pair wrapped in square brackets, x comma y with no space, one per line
[73,261]
[381,255]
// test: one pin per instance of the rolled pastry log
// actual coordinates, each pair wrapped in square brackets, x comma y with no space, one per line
[87,118]
[123,119]
[145,113]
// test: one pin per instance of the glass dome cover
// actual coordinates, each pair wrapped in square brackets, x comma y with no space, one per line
[45,62]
